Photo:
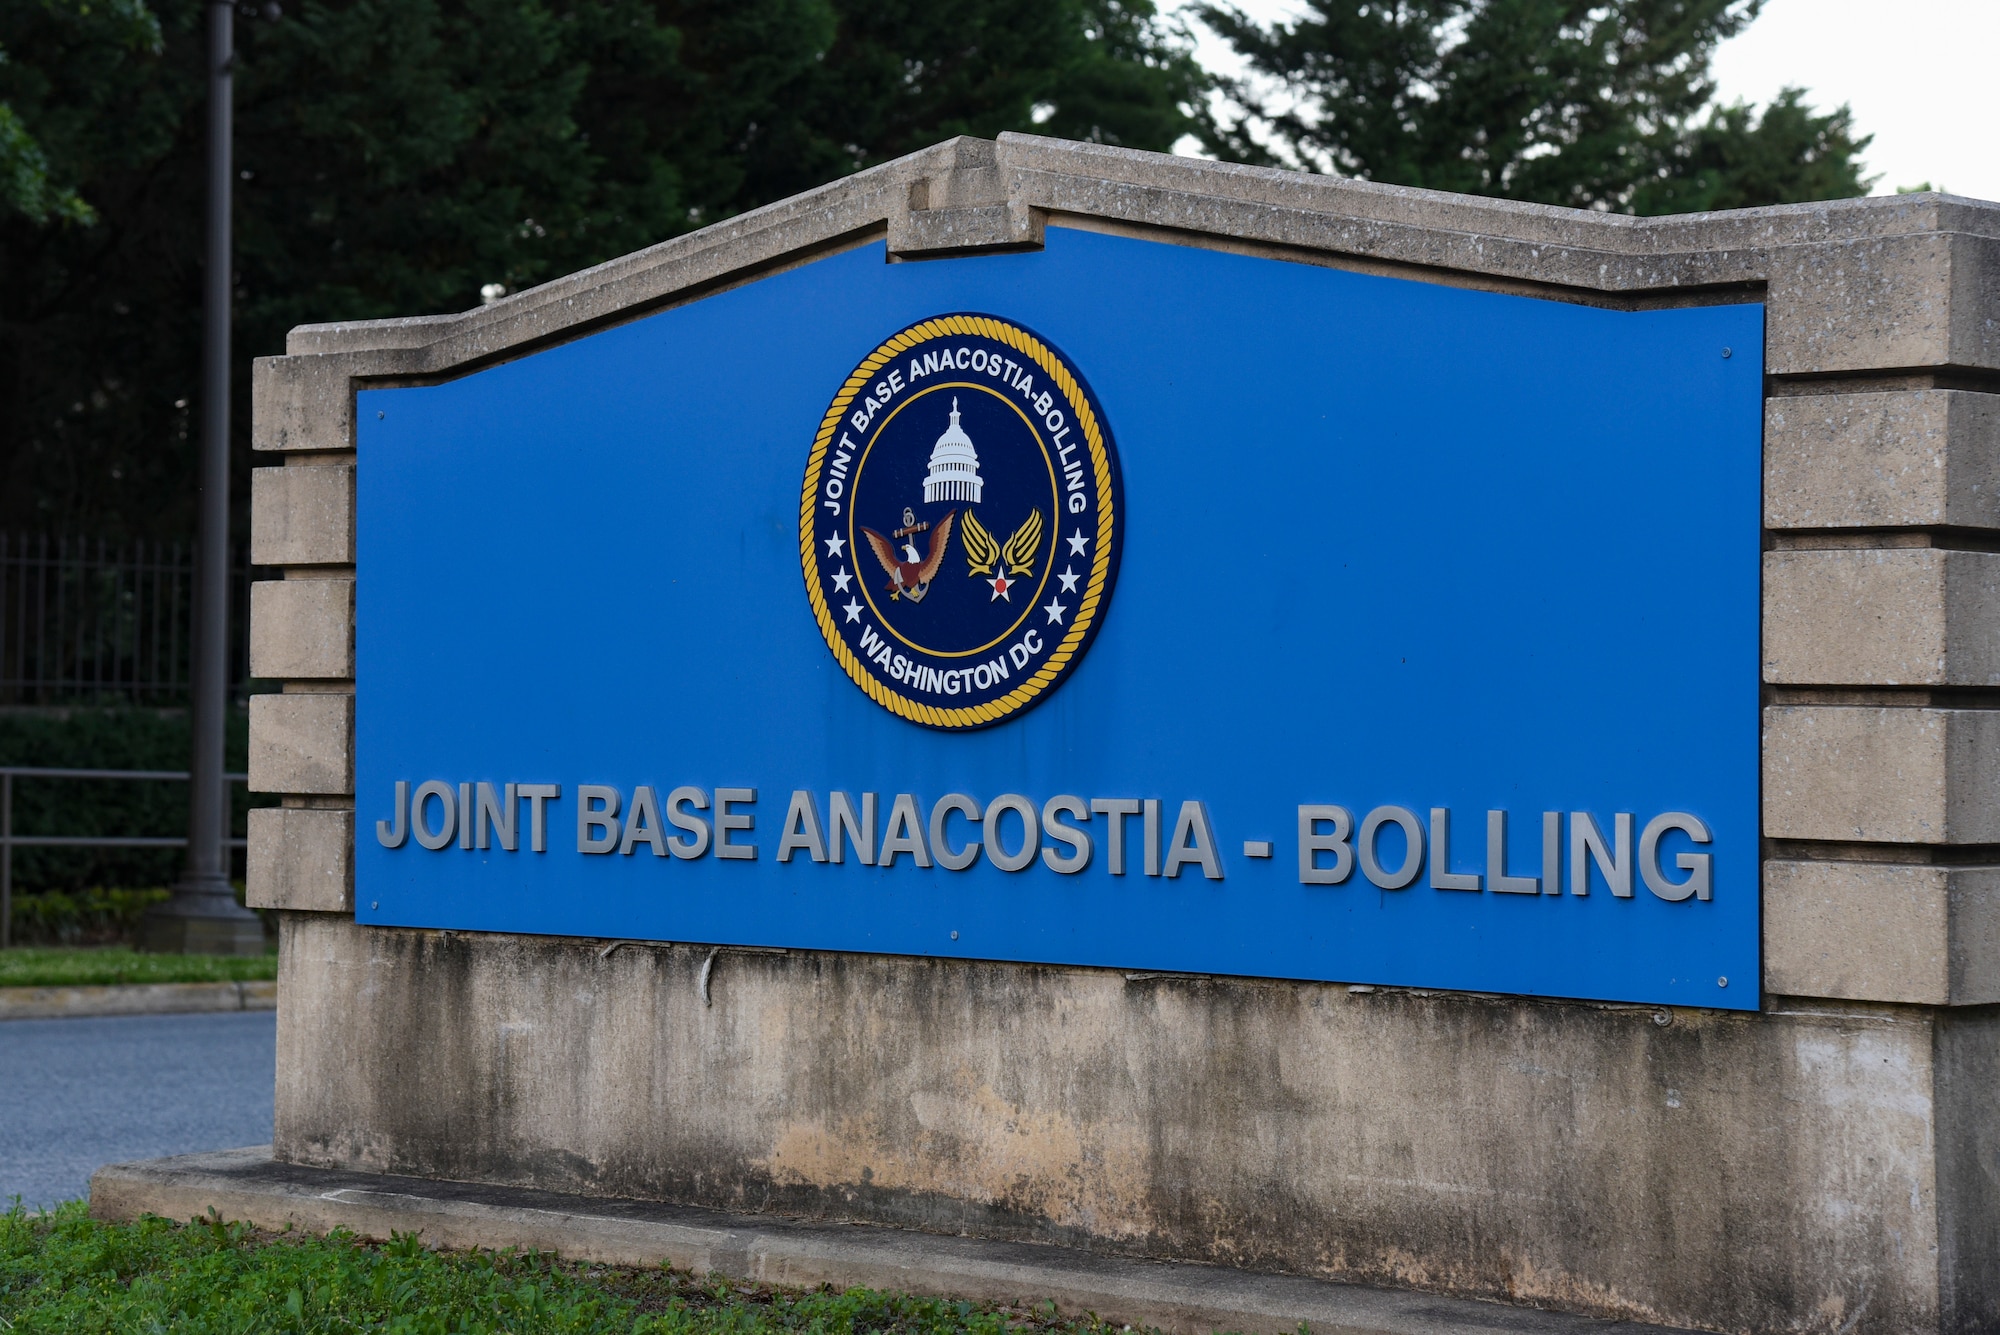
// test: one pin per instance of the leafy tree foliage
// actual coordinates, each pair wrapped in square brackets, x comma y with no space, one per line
[1738,160]
[91,359]
[113,27]
[396,156]
[903,74]
[1586,103]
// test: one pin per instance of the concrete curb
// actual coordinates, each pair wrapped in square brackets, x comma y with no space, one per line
[45,1003]
[1181,1299]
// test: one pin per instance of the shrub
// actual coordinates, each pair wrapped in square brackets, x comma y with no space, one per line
[83,918]
[105,739]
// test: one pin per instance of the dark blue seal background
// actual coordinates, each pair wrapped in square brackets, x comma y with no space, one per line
[961,613]
[983,625]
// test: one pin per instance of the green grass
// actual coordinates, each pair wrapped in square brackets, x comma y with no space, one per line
[64,1272]
[56,966]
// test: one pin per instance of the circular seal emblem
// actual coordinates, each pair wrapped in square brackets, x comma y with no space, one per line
[961,520]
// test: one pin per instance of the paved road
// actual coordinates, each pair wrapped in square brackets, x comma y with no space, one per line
[77,1094]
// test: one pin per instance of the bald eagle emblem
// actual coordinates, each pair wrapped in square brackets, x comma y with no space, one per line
[1015,559]
[911,572]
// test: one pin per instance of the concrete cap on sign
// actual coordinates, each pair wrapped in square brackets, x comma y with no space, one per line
[1851,284]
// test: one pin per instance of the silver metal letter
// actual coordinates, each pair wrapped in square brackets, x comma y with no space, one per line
[1077,840]
[903,834]
[642,826]
[1193,841]
[1497,878]
[727,820]
[1312,843]
[1698,866]
[859,830]
[1413,847]
[1031,832]
[465,815]
[499,815]
[941,849]
[1151,825]
[1586,841]
[1118,808]
[447,800]
[538,795]
[1552,852]
[604,817]
[802,829]
[1442,876]
[392,836]
[687,849]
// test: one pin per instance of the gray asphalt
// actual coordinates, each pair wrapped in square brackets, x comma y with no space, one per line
[78,1094]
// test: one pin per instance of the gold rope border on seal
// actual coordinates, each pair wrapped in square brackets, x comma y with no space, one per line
[1100,566]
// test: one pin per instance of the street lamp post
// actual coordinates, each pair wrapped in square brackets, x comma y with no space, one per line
[203,915]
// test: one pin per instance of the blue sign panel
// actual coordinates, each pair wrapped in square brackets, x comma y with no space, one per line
[1120,603]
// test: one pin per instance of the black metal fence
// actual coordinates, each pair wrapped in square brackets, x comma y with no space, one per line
[87,622]
[9,840]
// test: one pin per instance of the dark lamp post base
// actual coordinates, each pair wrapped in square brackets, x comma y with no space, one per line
[202,924]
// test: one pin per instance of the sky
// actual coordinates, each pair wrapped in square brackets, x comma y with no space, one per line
[1919,74]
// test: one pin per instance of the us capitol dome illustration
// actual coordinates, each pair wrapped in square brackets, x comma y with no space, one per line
[954,474]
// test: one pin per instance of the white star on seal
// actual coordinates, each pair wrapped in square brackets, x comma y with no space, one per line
[853,610]
[1055,610]
[836,544]
[1001,586]
[1068,577]
[840,580]
[1076,542]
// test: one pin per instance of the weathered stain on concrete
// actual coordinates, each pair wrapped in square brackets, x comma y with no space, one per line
[1771,1172]
[970,1143]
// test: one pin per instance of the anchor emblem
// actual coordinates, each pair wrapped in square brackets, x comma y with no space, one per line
[911,572]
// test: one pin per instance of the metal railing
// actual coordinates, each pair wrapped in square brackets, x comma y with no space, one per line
[9,841]
[85,621]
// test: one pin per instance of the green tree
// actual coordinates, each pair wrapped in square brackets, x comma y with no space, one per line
[1585,103]
[1737,159]
[903,74]
[114,28]
[99,303]
[396,156]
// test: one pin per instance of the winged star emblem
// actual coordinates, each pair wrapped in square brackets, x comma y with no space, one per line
[1015,560]
[911,572]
